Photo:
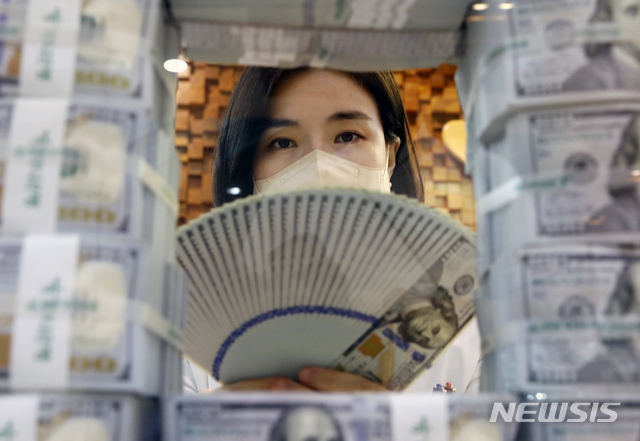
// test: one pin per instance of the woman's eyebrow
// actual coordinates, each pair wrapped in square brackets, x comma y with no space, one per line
[275,123]
[352,114]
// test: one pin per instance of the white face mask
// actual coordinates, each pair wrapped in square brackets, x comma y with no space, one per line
[321,169]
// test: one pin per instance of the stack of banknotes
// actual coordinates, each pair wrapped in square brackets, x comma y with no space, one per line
[120,48]
[92,302]
[352,35]
[111,348]
[381,417]
[551,91]
[58,417]
[329,277]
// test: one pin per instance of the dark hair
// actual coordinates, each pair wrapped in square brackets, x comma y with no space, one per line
[442,301]
[244,123]
[279,431]
[627,156]
[603,13]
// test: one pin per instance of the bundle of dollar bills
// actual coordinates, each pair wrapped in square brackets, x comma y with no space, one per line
[382,417]
[560,218]
[352,35]
[66,417]
[106,147]
[120,46]
[360,281]
[91,298]
[544,53]
[554,157]
[113,344]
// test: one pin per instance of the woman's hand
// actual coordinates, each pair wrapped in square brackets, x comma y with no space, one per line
[329,380]
[265,384]
[312,379]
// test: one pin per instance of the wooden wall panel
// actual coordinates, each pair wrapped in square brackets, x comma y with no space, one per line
[430,98]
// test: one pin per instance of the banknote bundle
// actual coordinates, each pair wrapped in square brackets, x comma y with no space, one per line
[120,46]
[112,344]
[101,190]
[91,298]
[66,417]
[551,96]
[407,417]
[544,54]
[558,228]
[351,35]
[329,277]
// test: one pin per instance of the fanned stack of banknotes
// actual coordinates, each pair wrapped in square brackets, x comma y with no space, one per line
[328,277]
[551,93]
[92,303]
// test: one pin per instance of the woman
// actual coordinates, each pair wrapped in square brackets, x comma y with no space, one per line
[287,129]
[263,100]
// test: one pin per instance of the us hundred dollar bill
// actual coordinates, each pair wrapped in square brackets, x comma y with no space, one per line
[114,42]
[57,417]
[357,14]
[100,191]
[567,316]
[543,53]
[339,417]
[109,349]
[271,418]
[574,180]
[419,326]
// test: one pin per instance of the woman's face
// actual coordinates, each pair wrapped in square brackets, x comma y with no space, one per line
[321,110]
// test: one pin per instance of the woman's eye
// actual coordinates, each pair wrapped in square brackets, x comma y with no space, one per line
[281,144]
[347,137]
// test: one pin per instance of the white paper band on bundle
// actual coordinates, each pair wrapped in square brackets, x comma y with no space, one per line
[40,343]
[499,197]
[158,185]
[548,181]
[19,417]
[419,417]
[48,60]
[137,312]
[34,160]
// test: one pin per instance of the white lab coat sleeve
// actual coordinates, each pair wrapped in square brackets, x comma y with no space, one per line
[459,364]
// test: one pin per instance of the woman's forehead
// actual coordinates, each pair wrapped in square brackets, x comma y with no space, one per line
[319,91]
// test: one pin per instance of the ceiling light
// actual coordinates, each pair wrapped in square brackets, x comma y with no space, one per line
[176,65]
